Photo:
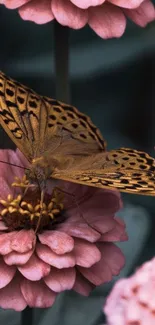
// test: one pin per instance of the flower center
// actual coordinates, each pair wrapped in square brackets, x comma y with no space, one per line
[27,211]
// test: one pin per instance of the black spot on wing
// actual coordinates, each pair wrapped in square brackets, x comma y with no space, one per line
[11,104]
[9,92]
[32,104]
[21,100]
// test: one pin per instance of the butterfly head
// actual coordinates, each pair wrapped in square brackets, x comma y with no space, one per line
[39,171]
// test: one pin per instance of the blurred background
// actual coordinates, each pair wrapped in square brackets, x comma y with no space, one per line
[112,81]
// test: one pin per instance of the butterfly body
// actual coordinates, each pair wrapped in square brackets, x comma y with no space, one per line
[61,143]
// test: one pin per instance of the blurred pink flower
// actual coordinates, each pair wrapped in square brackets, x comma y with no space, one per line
[71,251]
[132,300]
[106,17]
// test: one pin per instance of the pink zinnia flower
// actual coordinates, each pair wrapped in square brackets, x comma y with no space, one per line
[106,17]
[72,248]
[132,300]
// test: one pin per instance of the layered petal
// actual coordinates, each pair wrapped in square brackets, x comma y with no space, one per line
[38,11]
[86,254]
[142,15]
[107,21]
[87,3]
[79,229]
[37,294]
[118,233]
[7,273]
[5,242]
[130,4]
[15,258]
[69,15]
[82,285]
[59,261]
[60,280]
[23,241]
[112,260]
[14,4]
[58,241]
[11,296]
[35,269]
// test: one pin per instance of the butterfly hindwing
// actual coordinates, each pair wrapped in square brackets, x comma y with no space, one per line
[136,174]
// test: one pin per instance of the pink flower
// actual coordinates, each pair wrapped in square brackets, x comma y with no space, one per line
[132,300]
[106,17]
[72,248]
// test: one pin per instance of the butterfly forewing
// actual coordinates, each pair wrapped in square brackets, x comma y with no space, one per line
[39,124]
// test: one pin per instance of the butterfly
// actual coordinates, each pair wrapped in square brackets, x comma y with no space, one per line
[61,143]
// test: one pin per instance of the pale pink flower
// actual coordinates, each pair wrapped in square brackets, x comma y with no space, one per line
[106,17]
[75,250]
[132,300]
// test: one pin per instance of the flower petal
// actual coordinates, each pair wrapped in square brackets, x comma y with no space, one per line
[37,11]
[82,285]
[3,226]
[5,242]
[15,258]
[69,15]
[86,254]
[23,241]
[144,14]
[59,261]
[23,161]
[5,188]
[13,4]
[112,256]
[103,223]
[111,262]
[84,4]
[37,294]
[58,241]
[11,296]
[60,280]
[35,269]
[6,273]
[101,202]
[118,233]
[79,230]
[9,173]
[98,211]
[107,21]
[127,4]
[98,273]
[95,218]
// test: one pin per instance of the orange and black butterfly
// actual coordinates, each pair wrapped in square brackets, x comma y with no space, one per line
[61,143]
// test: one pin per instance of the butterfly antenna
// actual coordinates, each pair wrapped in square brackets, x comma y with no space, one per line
[77,205]
[8,163]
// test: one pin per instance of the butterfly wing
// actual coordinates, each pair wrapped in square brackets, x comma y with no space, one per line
[17,114]
[124,169]
[39,125]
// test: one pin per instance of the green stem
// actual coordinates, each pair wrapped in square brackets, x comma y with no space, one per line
[27,316]
[61,57]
